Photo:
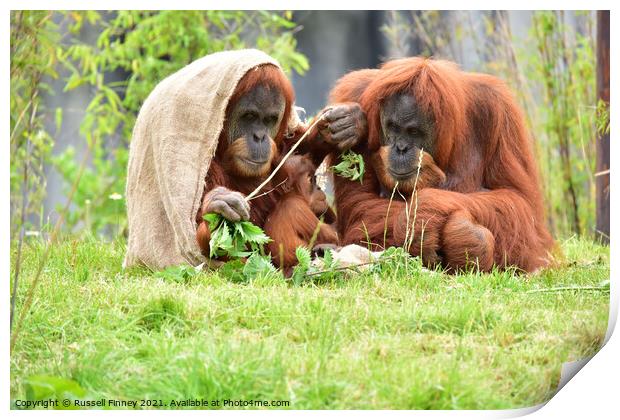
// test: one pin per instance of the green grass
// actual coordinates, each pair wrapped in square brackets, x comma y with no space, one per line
[403,338]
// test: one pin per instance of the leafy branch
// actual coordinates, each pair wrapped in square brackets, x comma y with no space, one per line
[234,239]
[351,166]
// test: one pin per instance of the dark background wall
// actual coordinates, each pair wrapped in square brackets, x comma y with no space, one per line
[335,43]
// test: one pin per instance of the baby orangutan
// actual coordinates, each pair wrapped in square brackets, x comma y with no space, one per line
[295,219]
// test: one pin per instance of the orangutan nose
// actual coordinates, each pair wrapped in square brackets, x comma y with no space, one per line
[402,148]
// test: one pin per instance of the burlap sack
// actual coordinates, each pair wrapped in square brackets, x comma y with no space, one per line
[173,142]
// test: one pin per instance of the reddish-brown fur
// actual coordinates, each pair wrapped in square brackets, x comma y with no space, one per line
[295,220]
[490,200]
[292,210]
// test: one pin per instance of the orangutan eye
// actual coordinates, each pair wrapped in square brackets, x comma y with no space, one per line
[392,126]
[415,132]
[249,116]
[271,120]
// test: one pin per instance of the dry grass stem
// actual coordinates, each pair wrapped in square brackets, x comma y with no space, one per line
[286,156]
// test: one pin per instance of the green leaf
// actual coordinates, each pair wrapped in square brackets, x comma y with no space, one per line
[233,239]
[252,233]
[257,265]
[221,241]
[328,259]
[74,81]
[303,256]
[233,270]
[303,264]
[351,166]
[44,387]
[180,273]
[238,253]
[58,118]
[298,276]
[213,219]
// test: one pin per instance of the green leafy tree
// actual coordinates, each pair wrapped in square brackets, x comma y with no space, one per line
[34,60]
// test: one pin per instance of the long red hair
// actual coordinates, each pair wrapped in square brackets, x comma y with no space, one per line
[272,76]
[437,88]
